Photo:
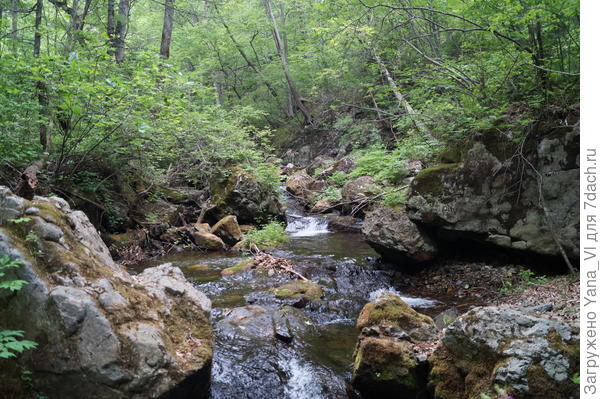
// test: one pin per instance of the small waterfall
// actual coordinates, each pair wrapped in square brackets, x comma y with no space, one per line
[410,301]
[306,226]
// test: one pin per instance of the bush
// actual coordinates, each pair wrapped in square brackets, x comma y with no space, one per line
[384,166]
[339,178]
[270,235]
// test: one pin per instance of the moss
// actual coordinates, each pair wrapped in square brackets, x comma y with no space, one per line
[430,181]
[542,386]
[390,308]
[384,366]
[299,289]
[242,266]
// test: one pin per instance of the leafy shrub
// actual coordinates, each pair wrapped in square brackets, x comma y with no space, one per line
[10,340]
[384,166]
[270,235]
[339,178]
[332,194]
[394,198]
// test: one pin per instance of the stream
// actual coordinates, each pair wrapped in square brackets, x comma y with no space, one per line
[271,348]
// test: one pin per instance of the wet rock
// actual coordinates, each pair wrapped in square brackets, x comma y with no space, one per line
[240,267]
[387,363]
[393,235]
[85,312]
[242,195]
[228,230]
[300,292]
[531,357]
[345,223]
[208,241]
[471,197]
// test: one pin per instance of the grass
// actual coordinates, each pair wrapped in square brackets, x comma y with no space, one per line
[525,279]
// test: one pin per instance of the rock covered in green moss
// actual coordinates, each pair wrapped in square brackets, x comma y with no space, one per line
[387,363]
[241,194]
[241,266]
[228,230]
[527,355]
[490,193]
[398,239]
[301,291]
[101,332]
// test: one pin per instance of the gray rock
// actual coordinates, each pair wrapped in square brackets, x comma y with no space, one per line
[399,240]
[100,332]
[488,196]
[512,347]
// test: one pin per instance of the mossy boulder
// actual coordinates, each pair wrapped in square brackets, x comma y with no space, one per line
[228,230]
[491,192]
[101,332]
[301,292]
[239,193]
[397,238]
[527,355]
[387,363]
[240,267]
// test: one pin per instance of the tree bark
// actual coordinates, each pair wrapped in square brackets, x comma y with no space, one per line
[37,37]
[110,25]
[401,100]
[165,42]
[218,85]
[121,30]
[279,45]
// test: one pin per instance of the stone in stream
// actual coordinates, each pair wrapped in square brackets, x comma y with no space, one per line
[101,332]
[387,360]
[208,241]
[396,238]
[303,186]
[228,230]
[529,356]
[300,292]
[357,191]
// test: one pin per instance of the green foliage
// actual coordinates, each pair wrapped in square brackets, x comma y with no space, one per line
[270,235]
[10,340]
[525,278]
[331,193]
[383,165]
[394,197]
[339,178]
[576,379]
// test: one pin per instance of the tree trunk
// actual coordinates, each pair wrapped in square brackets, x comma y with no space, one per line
[218,85]
[401,100]
[165,42]
[279,45]
[110,25]
[290,104]
[37,37]
[121,30]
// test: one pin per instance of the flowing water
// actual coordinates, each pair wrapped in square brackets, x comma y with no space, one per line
[270,348]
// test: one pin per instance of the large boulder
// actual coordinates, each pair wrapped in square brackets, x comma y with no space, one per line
[242,195]
[101,332]
[492,193]
[388,363]
[228,230]
[526,355]
[398,239]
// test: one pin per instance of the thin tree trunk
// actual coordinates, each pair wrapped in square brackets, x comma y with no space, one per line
[165,42]
[401,100]
[244,56]
[218,85]
[279,45]
[121,30]
[37,37]
[290,104]
[110,25]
